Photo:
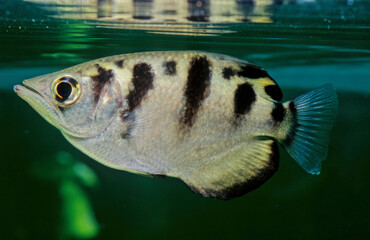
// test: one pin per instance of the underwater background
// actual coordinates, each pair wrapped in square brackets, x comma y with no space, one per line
[50,190]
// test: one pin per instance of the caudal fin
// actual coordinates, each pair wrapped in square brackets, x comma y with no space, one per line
[313,115]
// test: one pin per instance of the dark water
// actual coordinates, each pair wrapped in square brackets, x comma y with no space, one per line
[50,190]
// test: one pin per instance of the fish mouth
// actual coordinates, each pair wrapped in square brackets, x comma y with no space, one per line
[27,89]
[32,96]
[39,102]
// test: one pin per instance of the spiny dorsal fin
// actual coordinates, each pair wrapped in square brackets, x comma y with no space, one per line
[263,84]
[267,88]
[243,169]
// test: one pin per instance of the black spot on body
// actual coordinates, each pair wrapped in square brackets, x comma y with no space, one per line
[119,63]
[274,92]
[127,134]
[142,81]
[228,73]
[240,189]
[293,128]
[252,72]
[196,89]
[278,113]
[244,97]
[292,109]
[169,68]
[104,77]
[128,118]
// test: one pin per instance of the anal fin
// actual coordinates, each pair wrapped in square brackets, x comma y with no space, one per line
[243,169]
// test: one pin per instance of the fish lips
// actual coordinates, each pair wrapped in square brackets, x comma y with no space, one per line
[40,103]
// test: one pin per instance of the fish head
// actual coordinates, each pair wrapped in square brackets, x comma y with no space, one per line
[79,101]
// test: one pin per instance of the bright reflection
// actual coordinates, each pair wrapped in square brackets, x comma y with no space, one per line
[163,16]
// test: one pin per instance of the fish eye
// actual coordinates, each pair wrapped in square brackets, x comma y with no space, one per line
[66,91]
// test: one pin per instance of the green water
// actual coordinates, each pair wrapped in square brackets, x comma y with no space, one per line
[303,44]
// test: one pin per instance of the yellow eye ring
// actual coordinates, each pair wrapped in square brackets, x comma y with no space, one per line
[66,90]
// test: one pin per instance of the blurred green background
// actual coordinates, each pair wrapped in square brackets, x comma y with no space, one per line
[50,190]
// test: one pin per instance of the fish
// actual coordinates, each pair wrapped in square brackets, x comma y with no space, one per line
[211,120]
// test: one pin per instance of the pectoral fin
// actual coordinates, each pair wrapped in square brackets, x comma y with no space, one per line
[241,170]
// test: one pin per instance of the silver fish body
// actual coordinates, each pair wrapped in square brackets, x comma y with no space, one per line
[211,120]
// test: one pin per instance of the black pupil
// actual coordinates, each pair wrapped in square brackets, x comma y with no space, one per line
[64,90]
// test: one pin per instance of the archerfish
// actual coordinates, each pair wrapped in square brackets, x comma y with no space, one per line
[211,120]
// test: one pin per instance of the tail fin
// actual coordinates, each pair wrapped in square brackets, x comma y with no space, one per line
[313,115]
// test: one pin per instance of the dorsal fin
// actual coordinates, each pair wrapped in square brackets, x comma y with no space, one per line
[267,88]
[263,84]
[243,169]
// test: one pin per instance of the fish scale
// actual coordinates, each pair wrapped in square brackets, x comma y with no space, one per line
[209,119]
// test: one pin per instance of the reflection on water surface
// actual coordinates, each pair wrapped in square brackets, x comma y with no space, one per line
[163,16]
